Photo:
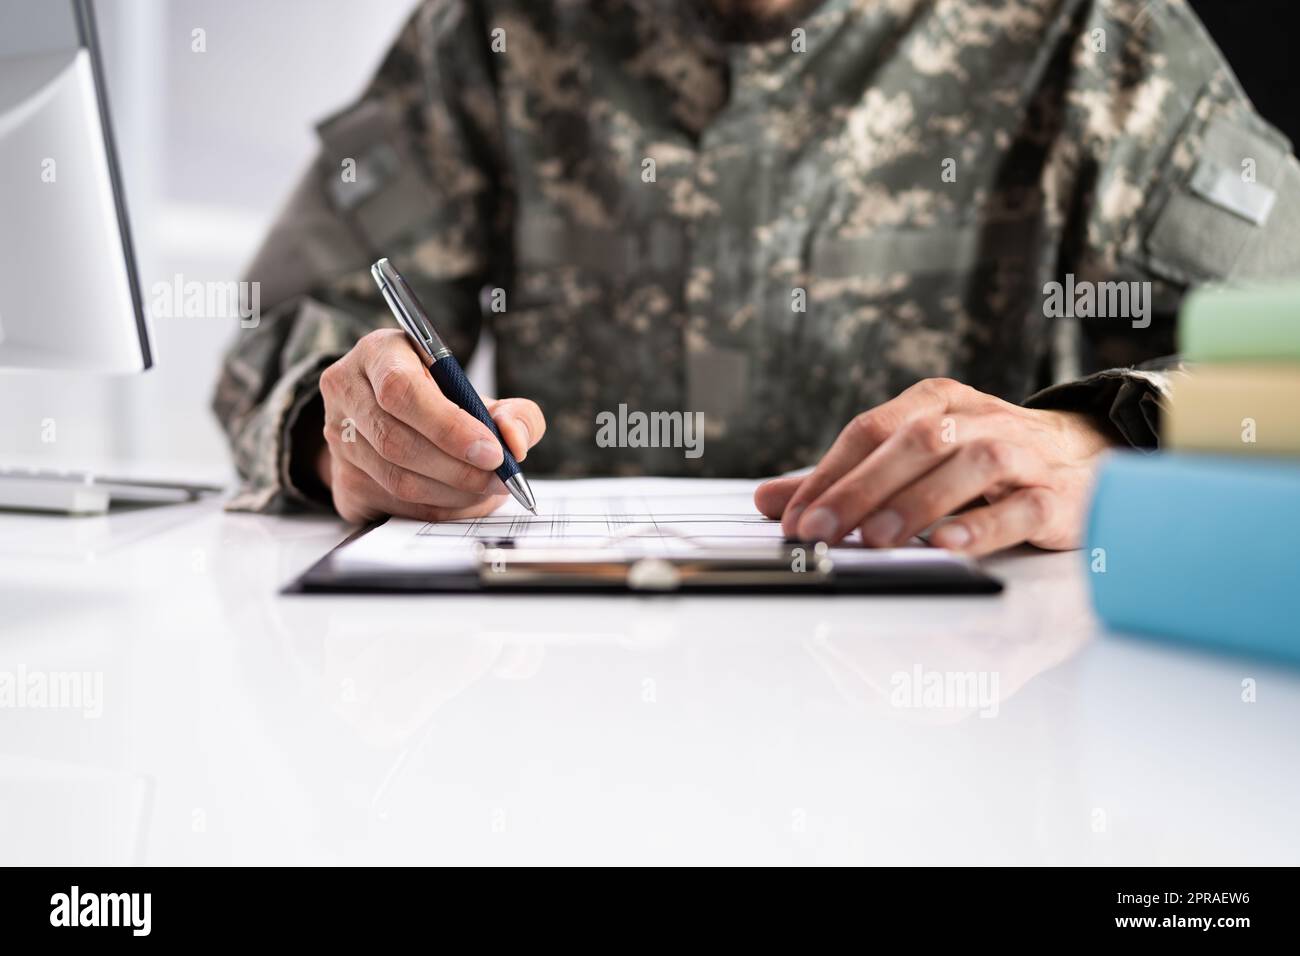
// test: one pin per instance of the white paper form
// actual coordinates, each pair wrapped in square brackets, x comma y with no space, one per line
[650,516]
[636,516]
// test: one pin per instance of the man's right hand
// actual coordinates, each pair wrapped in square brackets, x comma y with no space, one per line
[395,445]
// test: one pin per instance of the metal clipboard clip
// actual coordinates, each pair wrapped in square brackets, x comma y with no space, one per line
[622,566]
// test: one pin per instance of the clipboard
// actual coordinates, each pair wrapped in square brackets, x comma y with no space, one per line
[787,569]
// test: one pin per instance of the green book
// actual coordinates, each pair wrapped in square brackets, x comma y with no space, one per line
[1241,323]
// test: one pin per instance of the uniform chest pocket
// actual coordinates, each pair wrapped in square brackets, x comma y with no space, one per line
[896,252]
[886,305]
[616,259]
[894,306]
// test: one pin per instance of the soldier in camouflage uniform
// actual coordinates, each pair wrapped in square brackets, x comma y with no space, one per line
[780,214]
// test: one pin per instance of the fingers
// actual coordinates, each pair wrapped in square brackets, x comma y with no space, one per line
[382,390]
[920,474]
[520,422]
[771,497]
[975,468]
[867,432]
[394,441]
[402,388]
[356,498]
[359,498]
[904,456]
[900,468]
[1019,517]
[403,446]
[406,485]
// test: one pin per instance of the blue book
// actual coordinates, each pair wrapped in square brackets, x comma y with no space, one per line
[1199,549]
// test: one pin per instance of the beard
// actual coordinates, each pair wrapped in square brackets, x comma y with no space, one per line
[751,21]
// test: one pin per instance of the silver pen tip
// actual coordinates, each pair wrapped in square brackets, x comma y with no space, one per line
[517,485]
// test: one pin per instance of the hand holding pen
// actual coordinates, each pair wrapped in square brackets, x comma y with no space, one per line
[396,445]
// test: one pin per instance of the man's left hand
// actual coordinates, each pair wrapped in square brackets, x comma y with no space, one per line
[936,448]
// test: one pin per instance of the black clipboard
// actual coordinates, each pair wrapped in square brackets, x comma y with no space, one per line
[826,571]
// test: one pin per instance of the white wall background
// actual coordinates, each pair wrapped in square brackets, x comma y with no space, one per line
[210,144]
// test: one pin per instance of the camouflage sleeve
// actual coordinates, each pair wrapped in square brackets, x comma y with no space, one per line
[1174,180]
[411,171]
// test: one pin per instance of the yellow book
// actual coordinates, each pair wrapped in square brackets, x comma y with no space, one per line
[1241,409]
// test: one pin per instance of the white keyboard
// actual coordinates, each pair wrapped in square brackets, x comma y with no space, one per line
[84,493]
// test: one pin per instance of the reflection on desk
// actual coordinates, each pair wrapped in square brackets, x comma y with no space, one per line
[376,729]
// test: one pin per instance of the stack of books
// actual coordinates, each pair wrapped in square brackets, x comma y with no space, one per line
[1200,542]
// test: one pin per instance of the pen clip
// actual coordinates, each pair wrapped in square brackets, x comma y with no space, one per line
[408,311]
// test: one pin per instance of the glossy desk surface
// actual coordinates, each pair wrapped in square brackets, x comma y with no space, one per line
[204,718]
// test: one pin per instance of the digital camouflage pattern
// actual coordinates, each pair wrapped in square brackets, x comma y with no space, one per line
[915,170]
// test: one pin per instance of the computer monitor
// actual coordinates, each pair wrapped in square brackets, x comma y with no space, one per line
[69,290]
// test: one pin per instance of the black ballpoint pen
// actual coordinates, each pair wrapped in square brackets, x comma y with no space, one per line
[446,371]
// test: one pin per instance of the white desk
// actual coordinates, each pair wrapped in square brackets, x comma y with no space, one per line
[239,726]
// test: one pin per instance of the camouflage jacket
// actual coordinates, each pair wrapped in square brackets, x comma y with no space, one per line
[776,234]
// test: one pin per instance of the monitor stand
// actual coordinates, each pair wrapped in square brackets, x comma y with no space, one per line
[84,493]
